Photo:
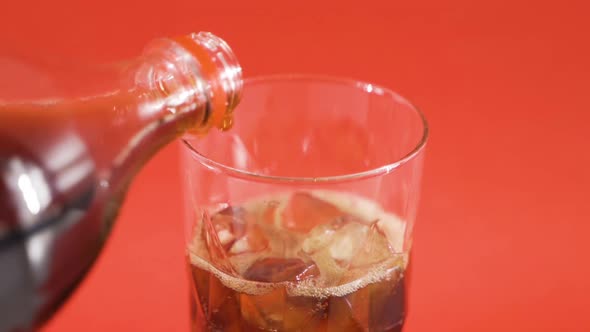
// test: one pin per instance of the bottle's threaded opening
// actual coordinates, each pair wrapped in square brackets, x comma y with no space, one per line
[221,70]
[229,72]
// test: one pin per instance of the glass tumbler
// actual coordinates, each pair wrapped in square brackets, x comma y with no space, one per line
[300,217]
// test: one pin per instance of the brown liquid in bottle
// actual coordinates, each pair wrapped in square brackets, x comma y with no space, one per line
[65,163]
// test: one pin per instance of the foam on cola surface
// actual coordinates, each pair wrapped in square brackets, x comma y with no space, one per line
[344,243]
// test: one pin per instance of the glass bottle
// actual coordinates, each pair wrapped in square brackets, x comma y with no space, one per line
[71,140]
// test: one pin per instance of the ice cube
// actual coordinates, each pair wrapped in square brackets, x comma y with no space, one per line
[346,243]
[230,224]
[343,243]
[254,240]
[325,234]
[331,246]
[274,269]
[378,306]
[374,249]
[223,307]
[305,313]
[330,271]
[318,238]
[304,212]
[277,311]
[347,313]
[225,236]
[265,312]
[346,252]
[240,246]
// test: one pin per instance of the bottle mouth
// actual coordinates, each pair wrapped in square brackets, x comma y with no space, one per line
[228,69]
[221,70]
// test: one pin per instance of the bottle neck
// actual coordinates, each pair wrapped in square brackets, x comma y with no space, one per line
[191,83]
[120,115]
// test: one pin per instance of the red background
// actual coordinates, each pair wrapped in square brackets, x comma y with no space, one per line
[502,238]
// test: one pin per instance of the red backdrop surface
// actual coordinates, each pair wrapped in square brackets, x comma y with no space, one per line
[502,240]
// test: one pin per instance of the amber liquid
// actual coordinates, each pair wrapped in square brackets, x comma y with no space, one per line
[297,263]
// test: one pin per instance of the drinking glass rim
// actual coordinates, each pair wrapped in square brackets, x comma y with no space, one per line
[372,172]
